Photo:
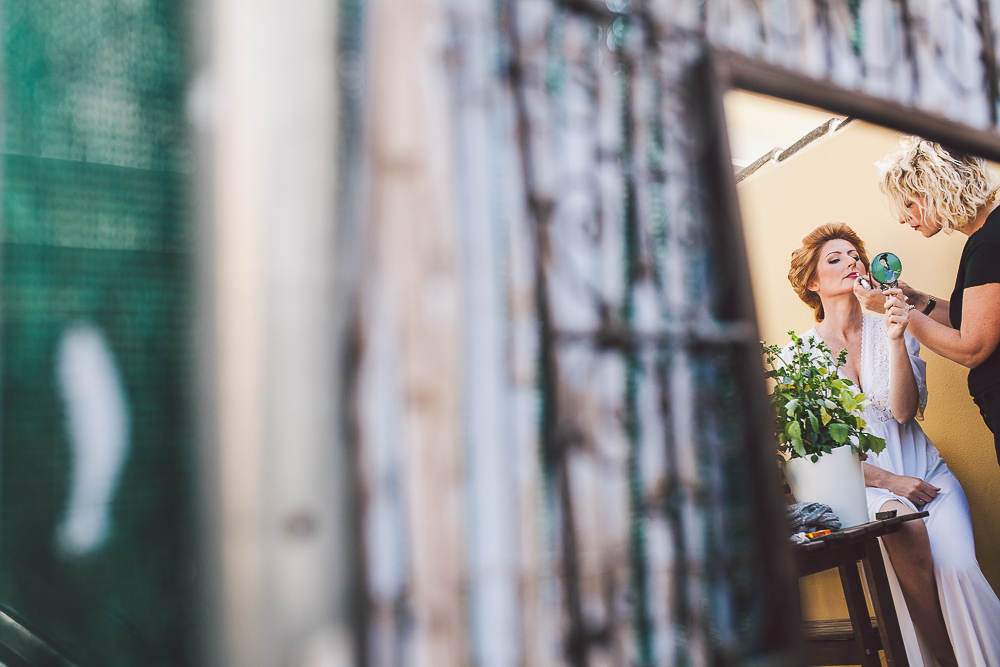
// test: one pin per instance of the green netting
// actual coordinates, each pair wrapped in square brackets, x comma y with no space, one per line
[95,234]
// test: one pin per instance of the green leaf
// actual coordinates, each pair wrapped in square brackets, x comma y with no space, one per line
[847,400]
[813,422]
[824,415]
[794,432]
[840,432]
[790,406]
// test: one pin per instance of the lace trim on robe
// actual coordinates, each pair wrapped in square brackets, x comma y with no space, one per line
[875,372]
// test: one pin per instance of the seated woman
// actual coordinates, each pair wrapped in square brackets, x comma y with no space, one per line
[936,575]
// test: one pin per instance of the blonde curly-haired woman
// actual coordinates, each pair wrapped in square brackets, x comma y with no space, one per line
[931,189]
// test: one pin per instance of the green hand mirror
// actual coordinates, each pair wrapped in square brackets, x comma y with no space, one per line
[886,268]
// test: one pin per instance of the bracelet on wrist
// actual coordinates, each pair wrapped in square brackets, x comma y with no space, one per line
[931,302]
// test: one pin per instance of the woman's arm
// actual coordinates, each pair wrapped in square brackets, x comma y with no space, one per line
[914,489]
[904,397]
[976,340]
[921,300]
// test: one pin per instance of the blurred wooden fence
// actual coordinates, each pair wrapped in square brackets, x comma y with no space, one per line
[559,403]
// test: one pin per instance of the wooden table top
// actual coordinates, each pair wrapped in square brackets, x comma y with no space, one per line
[857,534]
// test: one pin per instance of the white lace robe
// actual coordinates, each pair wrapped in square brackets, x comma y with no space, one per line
[971,608]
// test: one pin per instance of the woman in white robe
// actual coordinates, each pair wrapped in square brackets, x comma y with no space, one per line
[947,609]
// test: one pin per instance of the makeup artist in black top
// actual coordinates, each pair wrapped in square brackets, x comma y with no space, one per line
[931,189]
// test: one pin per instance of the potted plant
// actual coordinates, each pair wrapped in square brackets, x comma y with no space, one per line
[821,434]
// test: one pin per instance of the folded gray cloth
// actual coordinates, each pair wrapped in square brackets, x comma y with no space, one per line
[810,517]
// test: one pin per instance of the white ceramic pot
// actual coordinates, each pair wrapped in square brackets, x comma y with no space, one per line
[836,479]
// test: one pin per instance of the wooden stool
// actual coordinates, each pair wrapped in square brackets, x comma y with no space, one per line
[856,640]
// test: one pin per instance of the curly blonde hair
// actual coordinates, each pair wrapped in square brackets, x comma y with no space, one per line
[806,259]
[953,185]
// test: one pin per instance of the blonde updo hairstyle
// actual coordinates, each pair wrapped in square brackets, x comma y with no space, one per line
[805,260]
[953,185]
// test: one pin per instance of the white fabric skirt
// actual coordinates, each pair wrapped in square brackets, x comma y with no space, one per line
[970,607]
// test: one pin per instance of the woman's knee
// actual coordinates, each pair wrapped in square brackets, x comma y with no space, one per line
[910,544]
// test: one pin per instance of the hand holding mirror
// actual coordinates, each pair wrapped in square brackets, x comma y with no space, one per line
[885,270]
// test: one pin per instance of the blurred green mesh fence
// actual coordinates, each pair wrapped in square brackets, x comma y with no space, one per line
[95,239]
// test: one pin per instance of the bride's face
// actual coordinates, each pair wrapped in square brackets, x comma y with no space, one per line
[838,268]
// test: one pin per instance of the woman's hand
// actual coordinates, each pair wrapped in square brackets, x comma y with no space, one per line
[897,313]
[914,489]
[910,295]
[871,298]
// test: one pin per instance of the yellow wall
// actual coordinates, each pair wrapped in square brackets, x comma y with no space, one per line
[835,179]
